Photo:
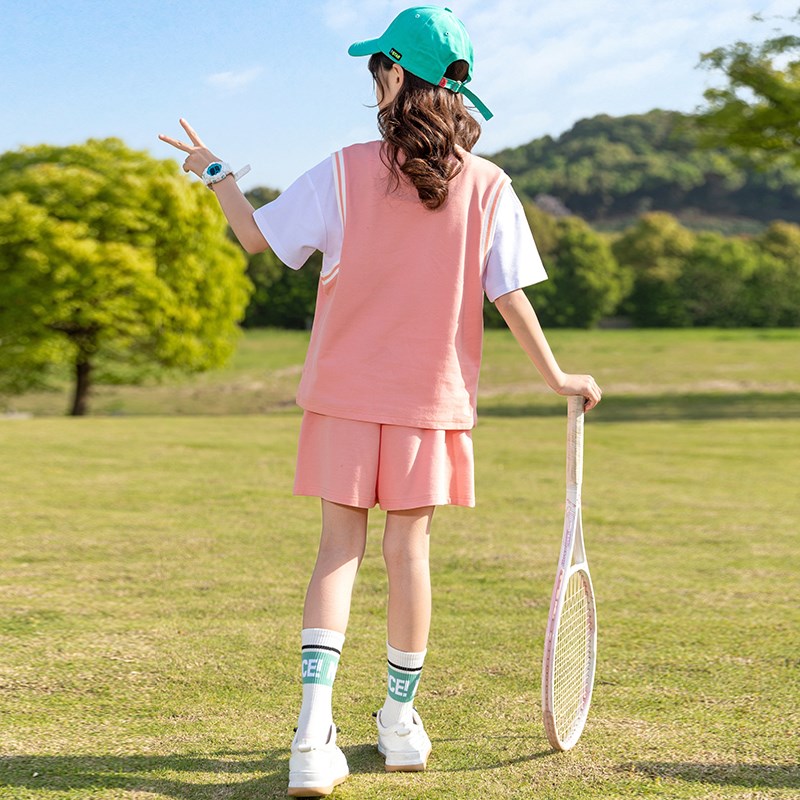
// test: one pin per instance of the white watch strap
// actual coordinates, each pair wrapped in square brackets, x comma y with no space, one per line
[242,172]
[228,171]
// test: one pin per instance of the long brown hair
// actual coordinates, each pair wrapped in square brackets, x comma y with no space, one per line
[422,129]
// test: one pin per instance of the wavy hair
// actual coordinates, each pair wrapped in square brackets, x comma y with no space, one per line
[423,129]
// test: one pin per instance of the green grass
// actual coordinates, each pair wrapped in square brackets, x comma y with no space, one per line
[673,366]
[153,570]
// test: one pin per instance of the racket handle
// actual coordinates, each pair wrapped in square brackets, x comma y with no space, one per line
[575,443]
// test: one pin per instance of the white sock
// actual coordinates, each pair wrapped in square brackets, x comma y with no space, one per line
[321,649]
[402,680]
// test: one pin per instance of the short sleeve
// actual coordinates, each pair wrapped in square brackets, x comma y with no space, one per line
[295,224]
[513,261]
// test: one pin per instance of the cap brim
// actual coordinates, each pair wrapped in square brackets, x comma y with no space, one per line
[366,48]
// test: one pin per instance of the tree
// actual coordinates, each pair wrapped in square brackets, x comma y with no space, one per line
[773,291]
[585,281]
[655,249]
[714,279]
[757,111]
[282,297]
[110,257]
[290,299]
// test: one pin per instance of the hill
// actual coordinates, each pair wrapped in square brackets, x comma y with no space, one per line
[608,169]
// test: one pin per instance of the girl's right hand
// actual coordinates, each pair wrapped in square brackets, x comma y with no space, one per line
[584,385]
[198,155]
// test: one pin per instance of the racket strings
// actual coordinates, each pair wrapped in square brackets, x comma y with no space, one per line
[573,657]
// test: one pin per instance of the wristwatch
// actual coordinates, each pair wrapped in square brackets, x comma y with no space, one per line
[219,170]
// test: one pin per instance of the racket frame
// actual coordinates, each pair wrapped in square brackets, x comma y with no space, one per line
[572,559]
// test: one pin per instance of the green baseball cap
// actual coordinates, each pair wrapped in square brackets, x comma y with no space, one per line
[426,40]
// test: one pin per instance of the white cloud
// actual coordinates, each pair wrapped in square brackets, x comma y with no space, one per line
[341,16]
[541,66]
[234,81]
[361,19]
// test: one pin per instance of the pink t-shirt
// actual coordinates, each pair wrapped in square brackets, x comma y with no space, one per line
[398,327]
[305,218]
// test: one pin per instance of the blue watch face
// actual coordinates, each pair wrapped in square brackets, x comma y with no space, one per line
[214,169]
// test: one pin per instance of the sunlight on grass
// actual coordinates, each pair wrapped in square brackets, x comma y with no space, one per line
[265,370]
[154,567]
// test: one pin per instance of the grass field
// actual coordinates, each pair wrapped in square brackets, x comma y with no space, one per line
[153,566]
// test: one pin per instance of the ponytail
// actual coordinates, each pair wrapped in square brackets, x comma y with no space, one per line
[422,129]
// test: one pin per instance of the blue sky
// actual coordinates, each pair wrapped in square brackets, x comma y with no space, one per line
[270,83]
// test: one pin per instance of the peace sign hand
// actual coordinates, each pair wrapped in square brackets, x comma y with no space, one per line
[199,156]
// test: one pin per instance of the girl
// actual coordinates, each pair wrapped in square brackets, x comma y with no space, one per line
[414,230]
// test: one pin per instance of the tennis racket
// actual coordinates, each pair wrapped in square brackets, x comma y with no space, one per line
[570,646]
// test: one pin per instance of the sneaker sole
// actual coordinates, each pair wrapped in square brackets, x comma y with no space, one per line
[405,767]
[418,763]
[314,791]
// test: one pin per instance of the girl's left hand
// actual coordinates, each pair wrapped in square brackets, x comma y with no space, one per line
[584,385]
[199,156]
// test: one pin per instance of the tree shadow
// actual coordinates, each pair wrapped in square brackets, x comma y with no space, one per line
[665,407]
[244,774]
[179,776]
[175,776]
[752,776]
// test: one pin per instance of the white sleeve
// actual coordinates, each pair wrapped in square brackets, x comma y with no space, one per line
[513,261]
[297,222]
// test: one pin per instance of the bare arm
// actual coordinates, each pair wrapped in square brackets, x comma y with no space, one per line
[239,214]
[235,205]
[521,319]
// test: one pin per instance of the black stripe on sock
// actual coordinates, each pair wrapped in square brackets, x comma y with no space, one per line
[321,647]
[404,669]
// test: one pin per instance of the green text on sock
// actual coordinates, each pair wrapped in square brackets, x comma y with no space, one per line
[319,666]
[402,685]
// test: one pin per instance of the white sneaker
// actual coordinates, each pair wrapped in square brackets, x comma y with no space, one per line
[405,746]
[315,769]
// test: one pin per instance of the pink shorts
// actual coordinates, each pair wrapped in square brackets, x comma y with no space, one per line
[360,464]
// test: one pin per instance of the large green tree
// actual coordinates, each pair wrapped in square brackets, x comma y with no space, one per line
[758,110]
[109,257]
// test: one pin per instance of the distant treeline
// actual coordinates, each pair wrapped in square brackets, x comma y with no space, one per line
[657,273]
[654,272]
[608,167]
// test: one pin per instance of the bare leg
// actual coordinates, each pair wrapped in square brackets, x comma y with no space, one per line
[341,548]
[406,548]
[327,608]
